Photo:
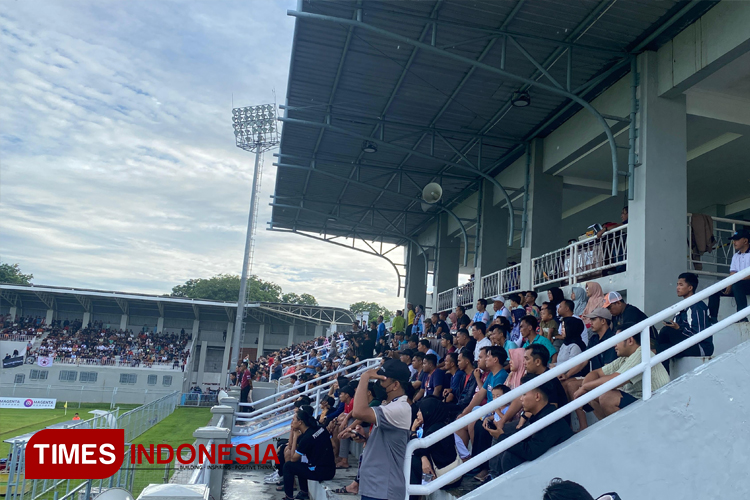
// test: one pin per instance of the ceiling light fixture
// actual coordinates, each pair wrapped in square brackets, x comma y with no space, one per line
[520,99]
[369,147]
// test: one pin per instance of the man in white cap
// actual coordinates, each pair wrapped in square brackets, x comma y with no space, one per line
[498,304]
[622,313]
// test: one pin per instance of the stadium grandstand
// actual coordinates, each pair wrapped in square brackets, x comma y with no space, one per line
[80,343]
[557,154]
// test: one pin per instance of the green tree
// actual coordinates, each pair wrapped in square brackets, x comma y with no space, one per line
[11,273]
[305,299]
[374,309]
[227,287]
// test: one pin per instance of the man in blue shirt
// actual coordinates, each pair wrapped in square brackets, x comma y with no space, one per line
[312,363]
[494,358]
[529,325]
[381,328]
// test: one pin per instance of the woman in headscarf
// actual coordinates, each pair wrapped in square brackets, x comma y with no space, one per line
[573,345]
[555,296]
[418,326]
[517,368]
[596,300]
[579,298]
[442,456]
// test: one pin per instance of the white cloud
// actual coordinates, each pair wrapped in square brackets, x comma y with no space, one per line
[118,168]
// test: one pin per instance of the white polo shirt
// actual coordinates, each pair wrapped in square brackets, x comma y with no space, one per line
[740,261]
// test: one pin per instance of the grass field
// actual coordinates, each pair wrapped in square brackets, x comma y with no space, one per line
[14,422]
[174,430]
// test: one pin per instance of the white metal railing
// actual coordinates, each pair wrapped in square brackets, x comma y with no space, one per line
[581,259]
[502,282]
[305,389]
[445,300]
[160,365]
[14,337]
[648,360]
[717,261]
[465,294]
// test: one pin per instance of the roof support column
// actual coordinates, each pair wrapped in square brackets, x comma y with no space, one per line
[196,328]
[543,213]
[291,335]
[124,322]
[86,319]
[657,228]
[15,312]
[227,350]
[50,316]
[261,340]
[447,259]
[492,231]
[202,363]
[160,324]
[416,276]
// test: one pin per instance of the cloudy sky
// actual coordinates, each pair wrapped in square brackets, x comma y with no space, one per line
[118,168]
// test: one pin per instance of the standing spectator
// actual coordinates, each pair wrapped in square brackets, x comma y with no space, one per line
[530,336]
[246,386]
[410,314]
[399,323]
[312,363]
[382,470]
[381,328]
[276,375]
[629,352]
[686,323]
[481,314]
[741,289]
[313,443]
[498,304]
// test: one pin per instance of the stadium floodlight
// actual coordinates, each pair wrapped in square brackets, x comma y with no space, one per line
[255,130]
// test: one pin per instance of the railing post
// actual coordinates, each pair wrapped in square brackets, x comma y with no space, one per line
[573,262]
[455,298]
[646,360]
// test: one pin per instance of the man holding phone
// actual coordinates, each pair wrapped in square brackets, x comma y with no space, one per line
[686,323]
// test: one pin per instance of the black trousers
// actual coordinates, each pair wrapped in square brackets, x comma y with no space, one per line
[244,393]
[482,442]
[304,472]
[740,291]
[669,337]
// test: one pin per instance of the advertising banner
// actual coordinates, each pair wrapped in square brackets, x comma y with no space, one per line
[12,362]
[28,403]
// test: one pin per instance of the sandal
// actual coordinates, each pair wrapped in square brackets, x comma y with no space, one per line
[344,491]
[281,488]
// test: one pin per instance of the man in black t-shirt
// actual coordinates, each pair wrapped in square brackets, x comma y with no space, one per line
[462,320]
[622,313]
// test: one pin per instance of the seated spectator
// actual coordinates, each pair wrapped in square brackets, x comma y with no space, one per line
[555,296]
[517,313]
[498,336]
[572,342]
[494,359]
[536,404]
[429,329]
[424,348]
[536,360]
[306,440]
[417,362]
[375,396]
[566,310]
[454,377]
[405,357]
[629,352]
[529,299]
[327,405]
[622,313]
[481,314]
[462,320]
[442,456]
[548,327]
[436,378]
[517,367]
[530,336]
[441,327]
[468,381]
[741,289]
[446,342]
[686,323]
[580,300]
[413,342]
[464,341]
[595,301]
[479,331]
[498,304]
[572,380]
[565,490]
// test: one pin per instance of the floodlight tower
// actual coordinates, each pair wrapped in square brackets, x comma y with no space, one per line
[255,130]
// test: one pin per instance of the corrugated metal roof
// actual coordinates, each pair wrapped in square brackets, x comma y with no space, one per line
[354,78]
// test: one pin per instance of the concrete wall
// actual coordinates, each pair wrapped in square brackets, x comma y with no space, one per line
[108,379]
[689,441]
